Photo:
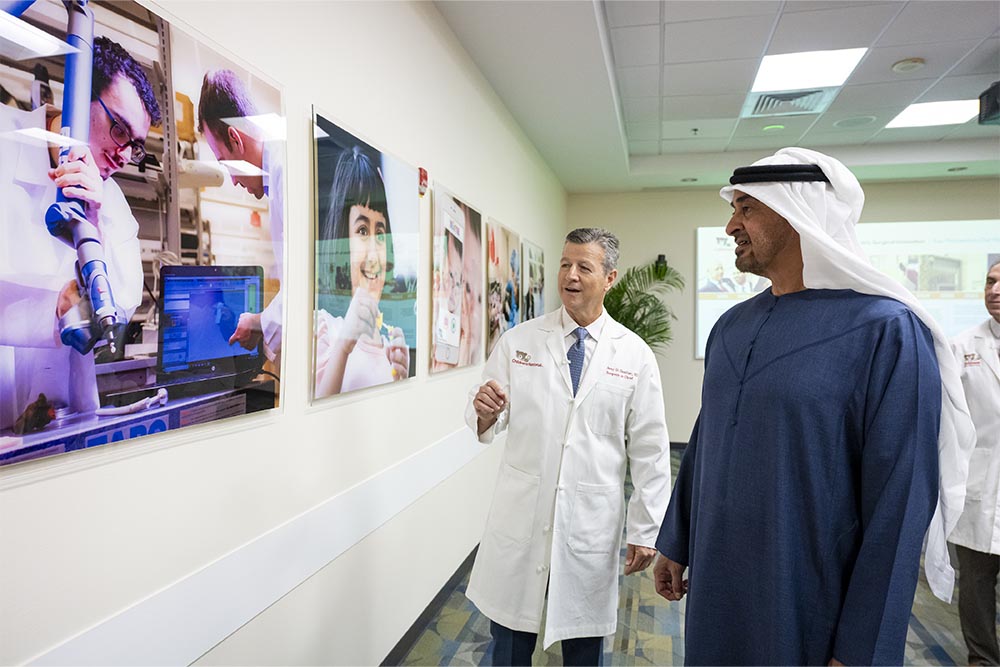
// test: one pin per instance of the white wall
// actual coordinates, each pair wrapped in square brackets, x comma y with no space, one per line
[87,535]
[649,223]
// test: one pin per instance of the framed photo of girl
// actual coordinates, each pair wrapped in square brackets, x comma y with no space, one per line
[367,239]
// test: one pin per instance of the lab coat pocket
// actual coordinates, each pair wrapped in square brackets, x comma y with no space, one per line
[512,515]
[979,464]
[606,414]
[595,526]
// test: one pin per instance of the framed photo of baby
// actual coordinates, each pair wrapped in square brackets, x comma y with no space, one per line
[458,284]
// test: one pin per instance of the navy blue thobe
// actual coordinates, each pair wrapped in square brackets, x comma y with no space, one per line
[808,483]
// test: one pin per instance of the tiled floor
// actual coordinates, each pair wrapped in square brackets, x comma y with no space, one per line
[651,630]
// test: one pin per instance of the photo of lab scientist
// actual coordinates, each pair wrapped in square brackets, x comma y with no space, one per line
[458,284]
[39,292]
[366,258]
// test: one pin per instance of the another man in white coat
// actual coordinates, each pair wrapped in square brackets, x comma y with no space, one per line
[580,397]
[37,274]
[977,535]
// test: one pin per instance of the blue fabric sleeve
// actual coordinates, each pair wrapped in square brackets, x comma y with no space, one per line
[675,531]
[898,491]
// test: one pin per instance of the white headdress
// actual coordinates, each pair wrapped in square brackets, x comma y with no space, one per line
[824,214]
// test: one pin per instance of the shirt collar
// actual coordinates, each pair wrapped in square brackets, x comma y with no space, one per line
[594,329]
[994,328]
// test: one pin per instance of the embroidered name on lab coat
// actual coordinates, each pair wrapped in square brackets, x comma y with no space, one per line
[620,373]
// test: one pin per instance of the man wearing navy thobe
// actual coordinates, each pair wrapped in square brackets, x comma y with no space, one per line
[812,473]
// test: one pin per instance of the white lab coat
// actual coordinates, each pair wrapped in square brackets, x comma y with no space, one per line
[977,353]
[34,267]
[558,508]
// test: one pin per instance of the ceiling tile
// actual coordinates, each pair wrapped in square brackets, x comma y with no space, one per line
[639,81]
[879,118]
[718,128]
[958,88]
[718,77]
[766,145]
[892,135]
[636,46]
[642,131]
[723,39]
[846,138]
[973,130]
[702,106]
[921,22]
[699,10]
[984,60]
[877,65]
[842,28]
[623,13]
[813,5]
[641,109]
[864,98]
[795,126]
[644,148]
[674,146]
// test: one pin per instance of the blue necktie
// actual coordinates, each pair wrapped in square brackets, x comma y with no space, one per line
[575,355]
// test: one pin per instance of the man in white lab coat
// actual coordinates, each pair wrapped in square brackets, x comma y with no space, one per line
[37,274]
[977,534]
[580,397]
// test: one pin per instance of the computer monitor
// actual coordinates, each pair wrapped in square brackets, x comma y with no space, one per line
[199,309]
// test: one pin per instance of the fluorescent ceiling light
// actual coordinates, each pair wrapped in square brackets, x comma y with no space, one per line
[19,40]
[953,112]
[242,168]
[265,127]
[36,136]
[810,69]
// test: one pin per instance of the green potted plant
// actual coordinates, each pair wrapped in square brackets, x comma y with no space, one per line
[635,302]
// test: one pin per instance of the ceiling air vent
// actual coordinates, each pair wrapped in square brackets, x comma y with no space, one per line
[787,103]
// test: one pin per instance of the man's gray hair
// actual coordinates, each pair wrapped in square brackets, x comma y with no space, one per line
[603,238]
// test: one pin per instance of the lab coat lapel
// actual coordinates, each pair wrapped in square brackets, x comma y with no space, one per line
[557,348]
[987,352]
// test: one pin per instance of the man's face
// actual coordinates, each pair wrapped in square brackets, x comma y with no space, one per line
[993,292]
[124,103]
[236,150]
[582,280]
[761,235]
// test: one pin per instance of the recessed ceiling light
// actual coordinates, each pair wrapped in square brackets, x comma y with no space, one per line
[925,114]
[908,65]
[773,128]
[854,121]
[957,168]
[809,69]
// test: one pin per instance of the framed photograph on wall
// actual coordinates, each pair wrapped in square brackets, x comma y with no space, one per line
[171,314]
[503,277]
[367,243]
[532,281]
[458,281]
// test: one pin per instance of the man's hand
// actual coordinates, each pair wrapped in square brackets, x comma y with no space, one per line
[80,179]
[248,332]
[638,558]
[489,402]
[668,577]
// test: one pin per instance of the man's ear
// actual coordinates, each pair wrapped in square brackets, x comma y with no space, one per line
[611,279]
[235,140]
